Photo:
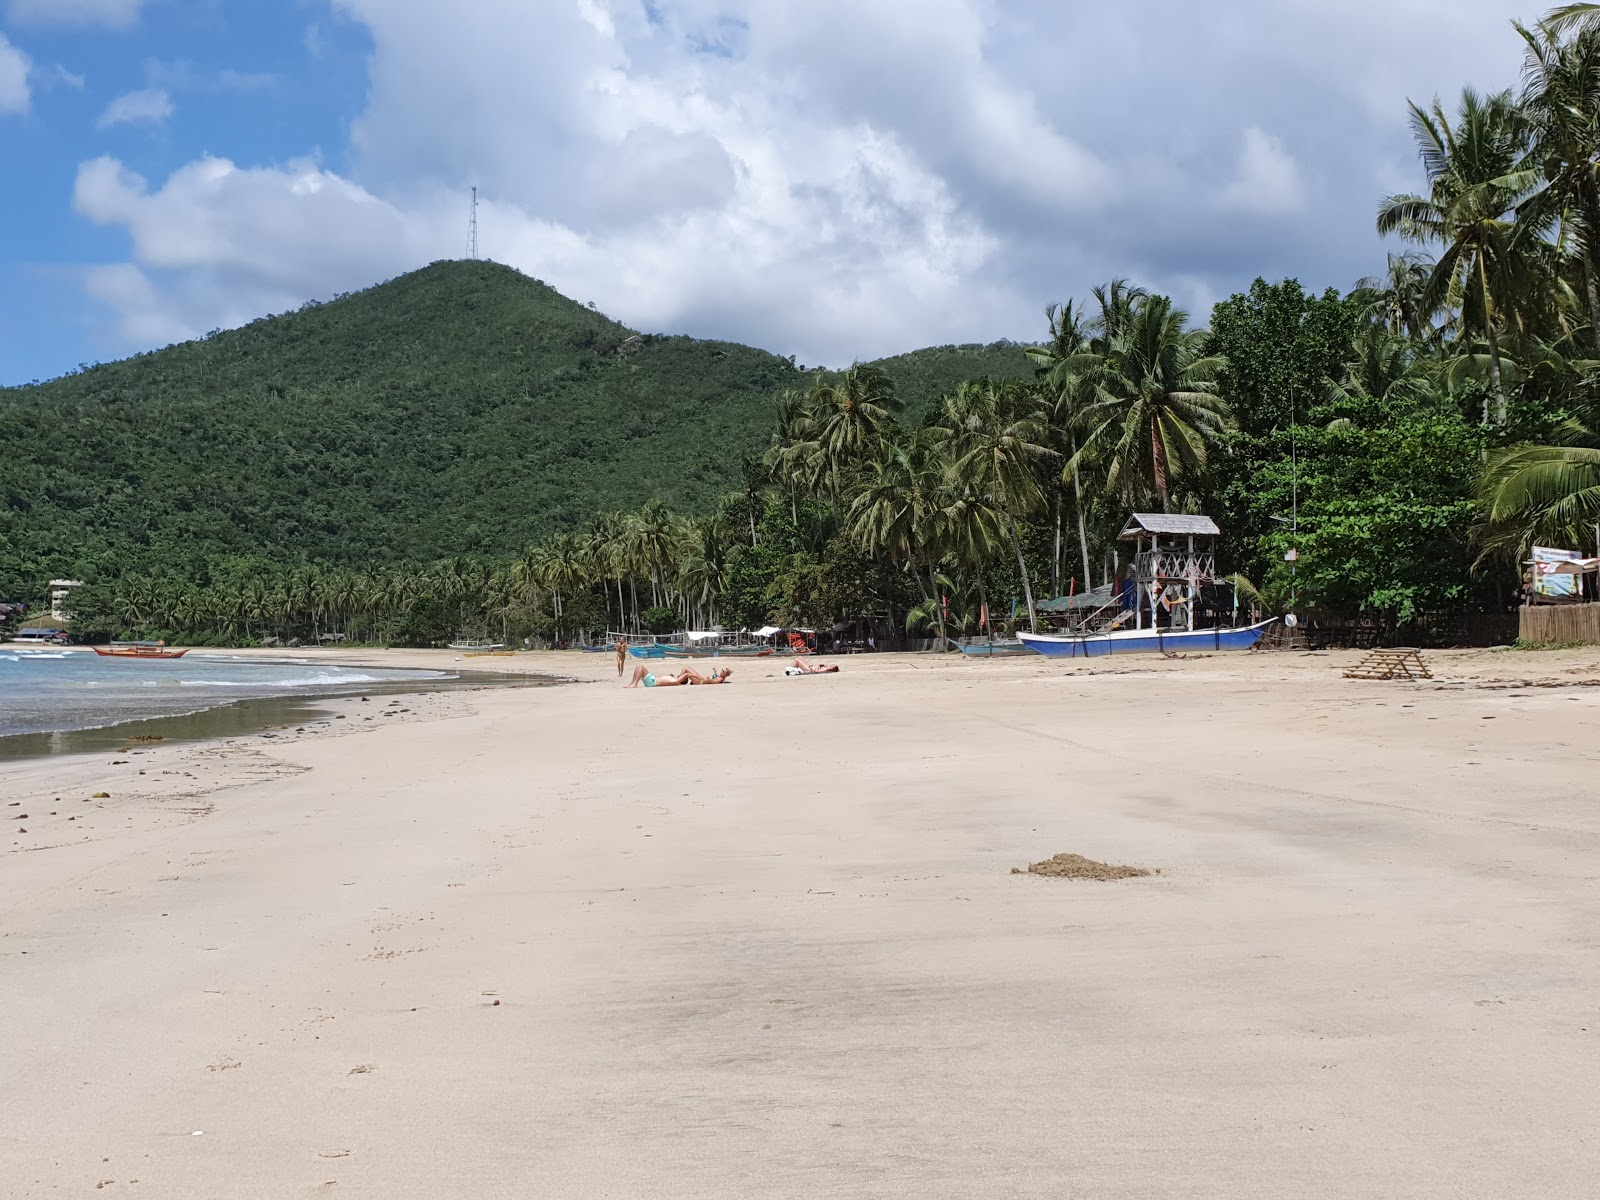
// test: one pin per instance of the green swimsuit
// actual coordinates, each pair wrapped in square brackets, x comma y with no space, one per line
[649,681]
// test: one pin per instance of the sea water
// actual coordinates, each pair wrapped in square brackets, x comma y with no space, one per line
[58,690]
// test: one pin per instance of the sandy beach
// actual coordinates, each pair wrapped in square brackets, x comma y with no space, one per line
[766,941]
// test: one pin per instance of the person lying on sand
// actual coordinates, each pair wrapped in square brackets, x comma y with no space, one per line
[688,677]
[801,668]
[643,675]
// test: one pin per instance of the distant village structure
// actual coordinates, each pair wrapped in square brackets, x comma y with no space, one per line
[60,589]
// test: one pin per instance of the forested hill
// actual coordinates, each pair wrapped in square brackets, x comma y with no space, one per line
[462,409]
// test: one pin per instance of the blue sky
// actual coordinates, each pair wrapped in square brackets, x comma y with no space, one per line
[259,82]
[834,180]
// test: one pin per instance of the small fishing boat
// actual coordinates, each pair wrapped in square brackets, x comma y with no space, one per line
[489,654]
[1144,641]
[138,650]
[999,648]
[478,647]
[648,651]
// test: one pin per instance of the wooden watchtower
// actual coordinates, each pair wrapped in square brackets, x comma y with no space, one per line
[1176,554]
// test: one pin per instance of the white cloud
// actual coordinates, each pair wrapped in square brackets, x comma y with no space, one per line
[101,14]
[149,106]
[1268,179]
[59,76]
[14,68]
[834,179]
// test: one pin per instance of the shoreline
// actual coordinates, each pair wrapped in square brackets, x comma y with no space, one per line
[220,716]
[763,935]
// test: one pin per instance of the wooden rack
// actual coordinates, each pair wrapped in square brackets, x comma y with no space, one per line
[1398,663]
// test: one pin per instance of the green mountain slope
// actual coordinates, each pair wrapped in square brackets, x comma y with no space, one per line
[923,376]
[462,409]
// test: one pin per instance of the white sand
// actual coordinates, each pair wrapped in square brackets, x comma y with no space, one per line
[763,941]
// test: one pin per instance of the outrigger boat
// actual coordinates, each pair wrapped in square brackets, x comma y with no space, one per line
[1144,641]
[476,647]
[1168,578]
[138,650]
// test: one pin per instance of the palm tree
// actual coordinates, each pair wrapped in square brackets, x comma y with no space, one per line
[653,542]
[1152,413]
[849,418]
[973,531]
[1474,186]
[1061,364]
[1573,18]
[606,543]
[1547,494]
[795,460]
[1395,300]
[1561,101]
[1000,444]
[895,499]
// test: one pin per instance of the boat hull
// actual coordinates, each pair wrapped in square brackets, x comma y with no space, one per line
[991,649]
[1144,641]
[136,652]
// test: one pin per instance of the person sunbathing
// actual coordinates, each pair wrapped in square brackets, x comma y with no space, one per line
[801,668]
[643,675]
[688,677]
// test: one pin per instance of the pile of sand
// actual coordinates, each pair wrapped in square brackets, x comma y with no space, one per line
[1076,866]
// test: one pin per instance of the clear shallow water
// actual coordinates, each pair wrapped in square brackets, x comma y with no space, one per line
[44,691]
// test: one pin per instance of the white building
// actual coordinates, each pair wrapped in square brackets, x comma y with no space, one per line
[60,589]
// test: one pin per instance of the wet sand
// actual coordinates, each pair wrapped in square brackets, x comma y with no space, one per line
[765,940]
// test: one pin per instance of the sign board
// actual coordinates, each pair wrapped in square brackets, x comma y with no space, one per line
[1548,583]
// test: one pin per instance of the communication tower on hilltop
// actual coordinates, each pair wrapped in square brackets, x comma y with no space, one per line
[472,227]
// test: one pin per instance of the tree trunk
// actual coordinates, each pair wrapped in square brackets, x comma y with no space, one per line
[1022,566]
[938,606]
[1055,555]
[1591,245]
[1500,404]
[1083,534]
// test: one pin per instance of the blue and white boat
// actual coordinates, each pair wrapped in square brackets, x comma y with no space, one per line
[1144,641]
[1165,593]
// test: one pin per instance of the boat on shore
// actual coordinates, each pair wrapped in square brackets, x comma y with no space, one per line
[990,648]
[1172,582]
[476,647]
[138,650]
[1144,641]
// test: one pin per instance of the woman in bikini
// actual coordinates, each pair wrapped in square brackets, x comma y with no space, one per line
[687,677]
[816,668]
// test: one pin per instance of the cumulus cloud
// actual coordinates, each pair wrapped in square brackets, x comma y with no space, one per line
[1268,181]
[834,179]
[148,106]
[14,67]
[101,14]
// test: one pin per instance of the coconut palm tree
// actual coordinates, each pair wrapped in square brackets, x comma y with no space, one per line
[1561,102]
[1475,183]
[1063,370]
[1547,494]
[1151,414]
[1395,300]
[973,531]
[847,419]
[896,497]
[999,446]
